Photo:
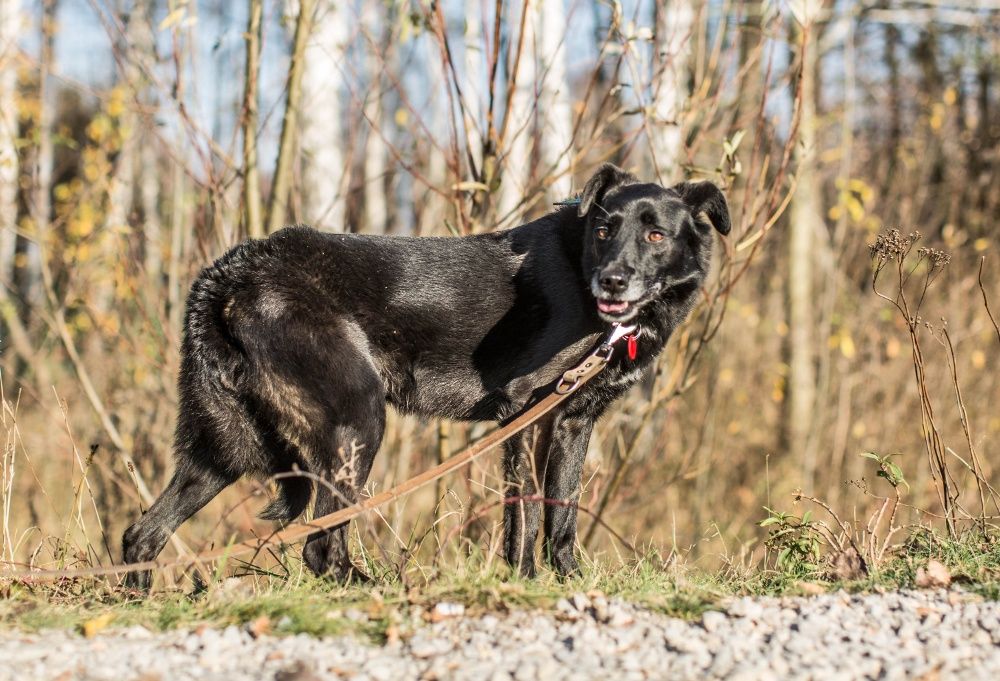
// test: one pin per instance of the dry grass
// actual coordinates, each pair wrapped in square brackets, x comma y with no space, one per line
[686,464]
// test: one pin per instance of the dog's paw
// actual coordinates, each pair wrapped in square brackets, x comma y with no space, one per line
[352,574]
[566,566]
[526,569]
[139,582]
[318,560]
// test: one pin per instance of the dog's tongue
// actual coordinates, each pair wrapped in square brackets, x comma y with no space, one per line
[610,306]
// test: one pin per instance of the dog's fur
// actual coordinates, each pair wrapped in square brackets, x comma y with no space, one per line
[294,344]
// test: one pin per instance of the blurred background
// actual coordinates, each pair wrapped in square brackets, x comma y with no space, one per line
[139,141]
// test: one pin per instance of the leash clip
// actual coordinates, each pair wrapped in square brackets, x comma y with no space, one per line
[619,331]
[595,361]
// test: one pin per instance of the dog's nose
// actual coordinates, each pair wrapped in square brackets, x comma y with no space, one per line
[614,282]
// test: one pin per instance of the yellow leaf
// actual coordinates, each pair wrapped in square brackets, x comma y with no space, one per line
[98,128]
[937,117]
[978,359]
[62,192]
[778,390]
[91,627]
[831,155]
[950,96]
[116,108]
[981,244]
[402,117]
[855,208]
[110,325]
[847,345]
[857,185]
[469,186]
[172,18]
[892,348]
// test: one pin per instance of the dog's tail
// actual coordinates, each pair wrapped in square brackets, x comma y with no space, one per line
[218,422]
[291,501]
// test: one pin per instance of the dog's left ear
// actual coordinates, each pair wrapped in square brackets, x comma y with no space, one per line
[705,197]
[607,177]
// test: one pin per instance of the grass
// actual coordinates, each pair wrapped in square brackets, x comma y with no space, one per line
[303,604]
[308,605]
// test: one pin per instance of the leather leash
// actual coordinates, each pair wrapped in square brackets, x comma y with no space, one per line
[571,381]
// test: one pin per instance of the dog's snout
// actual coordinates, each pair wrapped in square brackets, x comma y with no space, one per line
[614,281]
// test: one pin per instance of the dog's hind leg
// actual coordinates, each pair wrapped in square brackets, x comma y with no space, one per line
[328,402]
[354,447]
[191,487]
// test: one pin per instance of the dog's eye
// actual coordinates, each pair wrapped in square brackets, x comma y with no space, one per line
[602,233]
[654,236]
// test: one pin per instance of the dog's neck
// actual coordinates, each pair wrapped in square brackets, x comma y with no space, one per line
[661,316]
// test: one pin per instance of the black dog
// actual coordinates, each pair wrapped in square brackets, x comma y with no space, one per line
[294,344]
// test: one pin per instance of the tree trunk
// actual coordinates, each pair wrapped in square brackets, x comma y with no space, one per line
[281,185]
[477,84]
[251,175]
[517,139]
[181,230]
[374,20]
[141,61]
[10,30]
[805,223]
[472,94]
[894,105]
[432,206]
[13,329]
[674,26]
[41,208]
[538,132]
[554,105]
[324,168]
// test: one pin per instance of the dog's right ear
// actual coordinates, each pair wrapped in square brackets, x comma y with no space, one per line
[607,177]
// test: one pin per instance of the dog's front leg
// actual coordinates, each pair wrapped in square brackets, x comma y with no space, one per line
[522,480]
[566,455]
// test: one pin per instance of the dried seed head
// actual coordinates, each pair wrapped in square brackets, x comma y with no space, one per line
[937,258]
[892,245]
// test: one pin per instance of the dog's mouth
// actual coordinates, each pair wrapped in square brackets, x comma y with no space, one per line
[614,308]
[620,310]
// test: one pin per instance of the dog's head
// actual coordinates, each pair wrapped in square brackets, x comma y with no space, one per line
[642,239]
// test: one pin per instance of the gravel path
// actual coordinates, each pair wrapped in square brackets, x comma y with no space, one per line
[905,635]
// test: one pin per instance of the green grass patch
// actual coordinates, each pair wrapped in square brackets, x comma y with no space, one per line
[303,604]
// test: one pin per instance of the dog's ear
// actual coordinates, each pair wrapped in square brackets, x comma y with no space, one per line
[607,177]
[705,197]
